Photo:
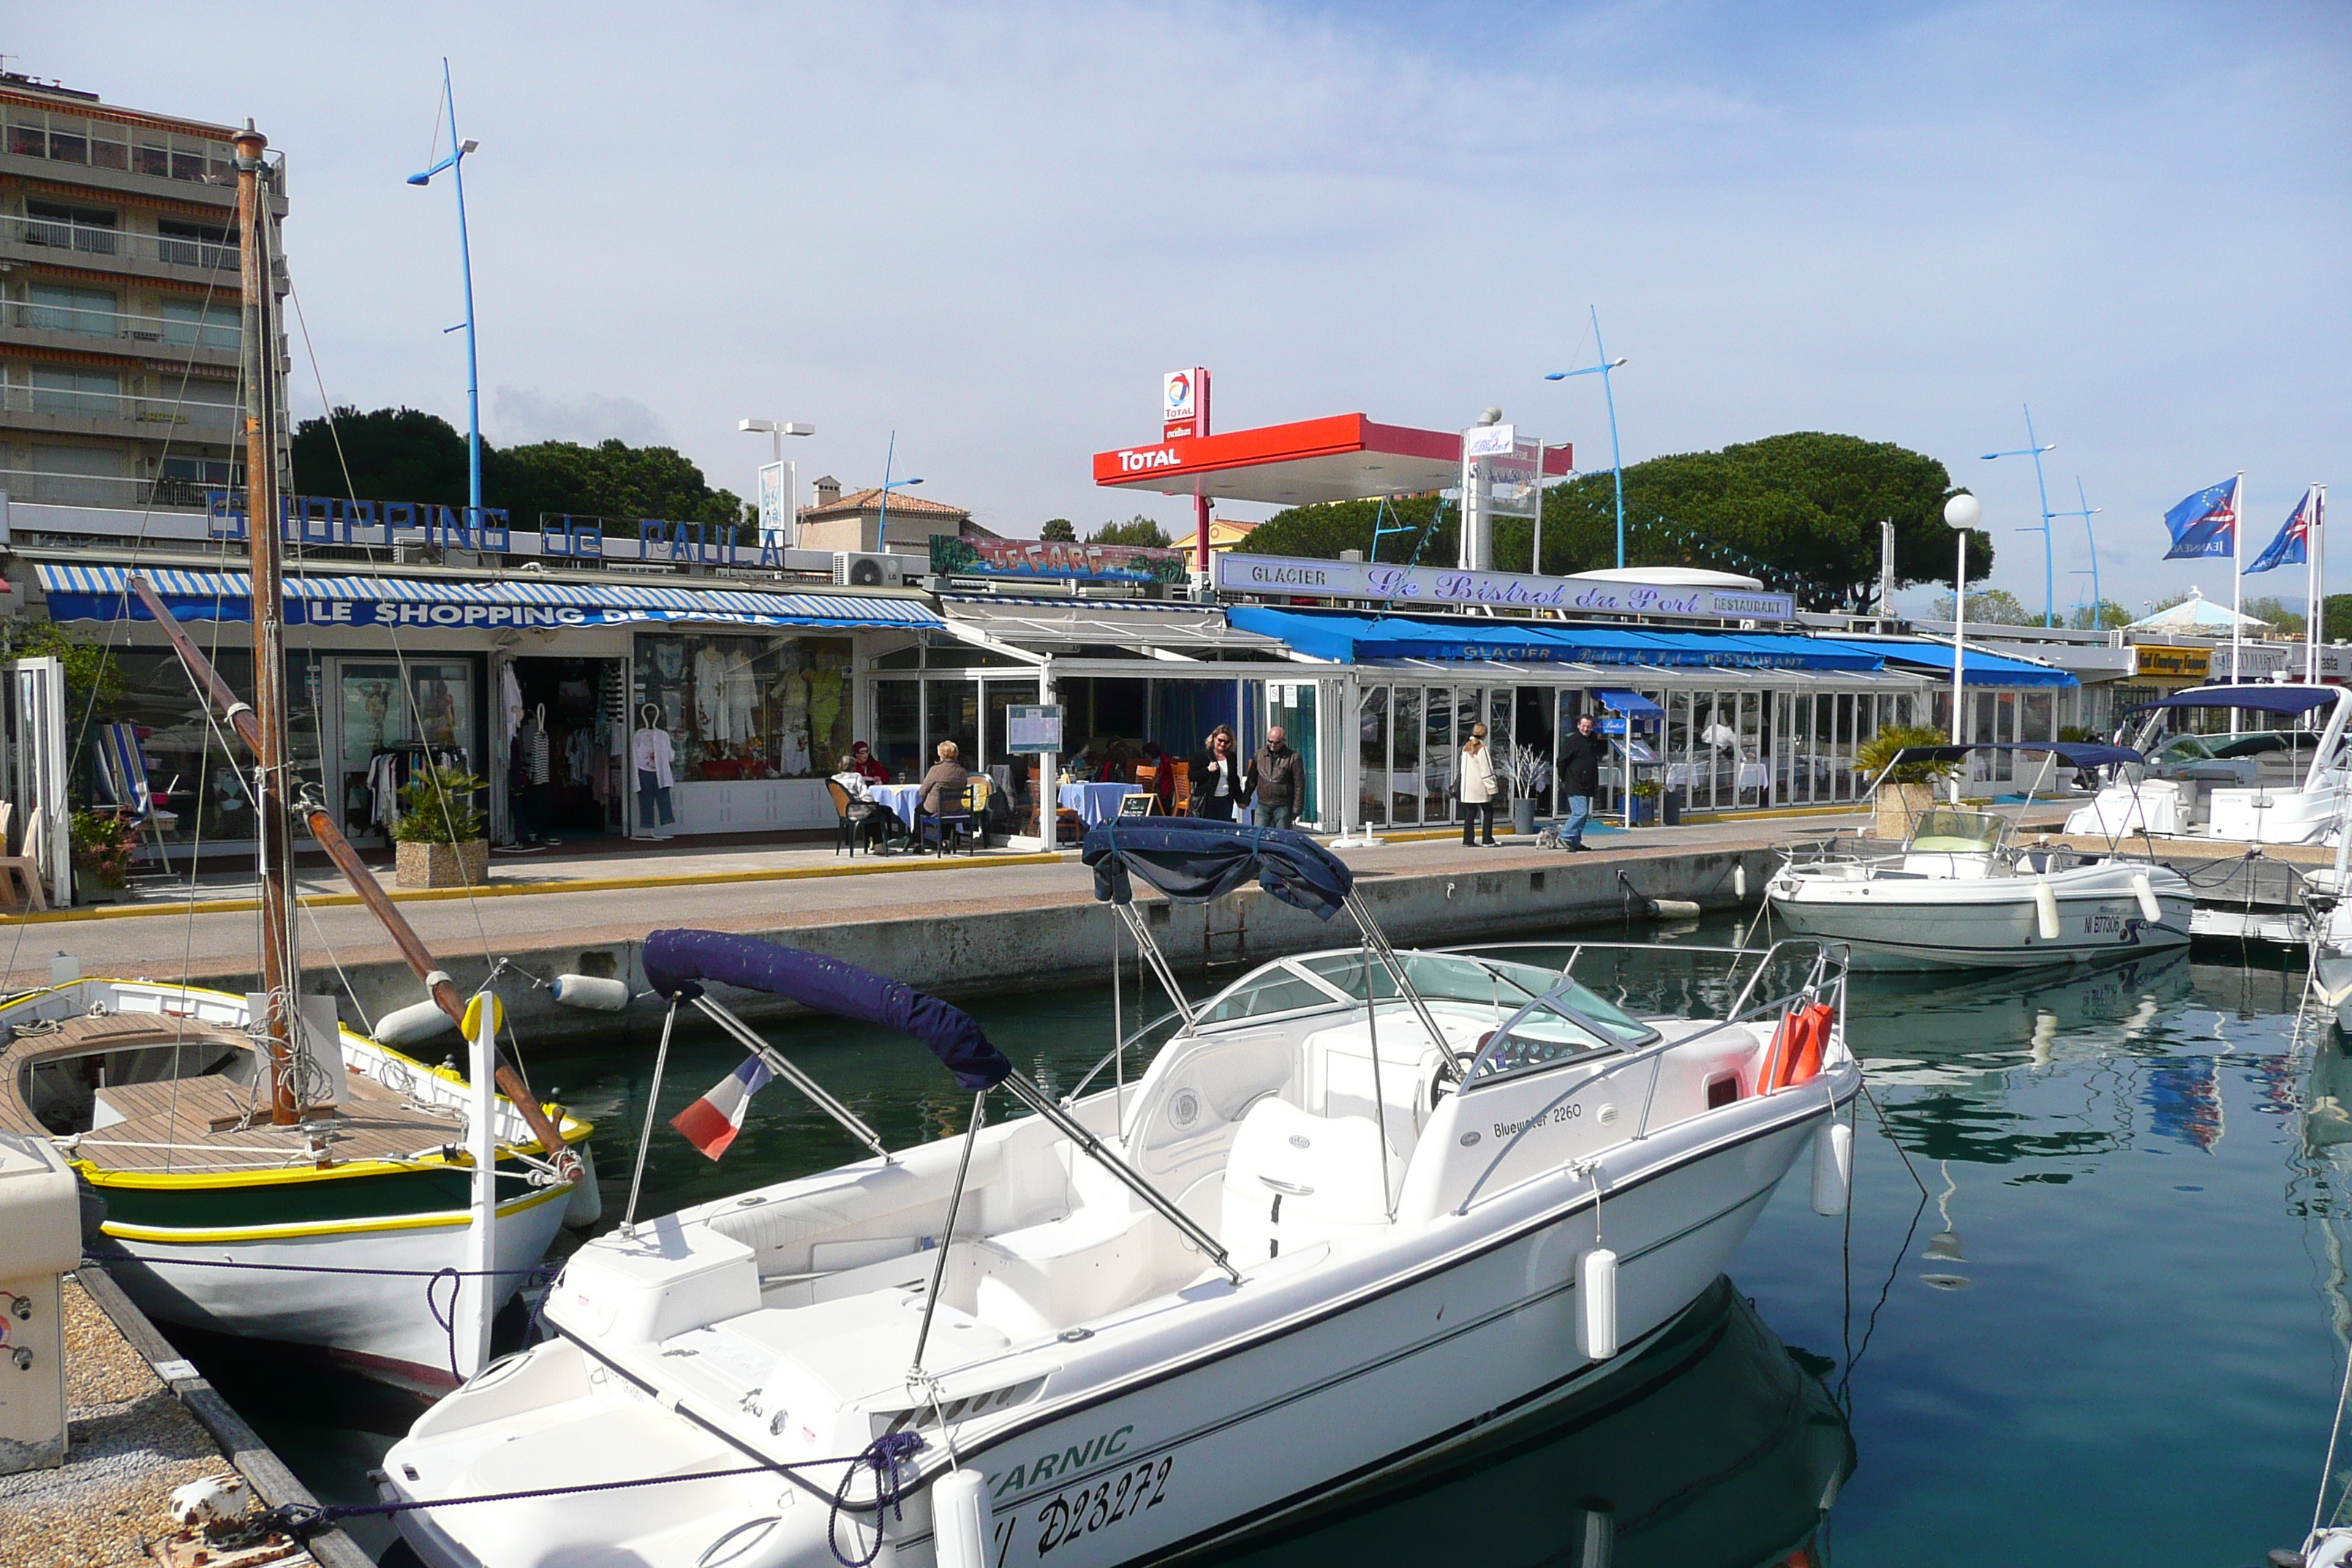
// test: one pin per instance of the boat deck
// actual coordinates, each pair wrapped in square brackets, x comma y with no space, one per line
[209,1120]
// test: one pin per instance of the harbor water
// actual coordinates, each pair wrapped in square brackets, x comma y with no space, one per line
[2087,1304]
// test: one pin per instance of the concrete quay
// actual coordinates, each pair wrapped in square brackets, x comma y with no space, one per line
[141,1423]
[954,927]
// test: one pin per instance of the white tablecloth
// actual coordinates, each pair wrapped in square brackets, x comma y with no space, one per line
[1094,802]
[900,798]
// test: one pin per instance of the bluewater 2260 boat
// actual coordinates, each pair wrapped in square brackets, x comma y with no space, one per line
[1362,1204]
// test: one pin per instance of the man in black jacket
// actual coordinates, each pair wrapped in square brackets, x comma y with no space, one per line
[1277,781]
[1580,756]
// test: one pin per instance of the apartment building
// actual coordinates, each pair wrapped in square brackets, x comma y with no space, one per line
[119,301]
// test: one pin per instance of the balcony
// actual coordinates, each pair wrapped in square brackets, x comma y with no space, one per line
[98,247]
[35,486]
[57,411]
[171,339]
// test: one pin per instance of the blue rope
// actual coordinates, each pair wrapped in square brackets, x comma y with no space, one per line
[882,1456]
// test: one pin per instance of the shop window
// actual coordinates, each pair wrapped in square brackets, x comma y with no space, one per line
[898,728]
[1405,772]
[748,706]
[951,712]
[1440,753]
[1372,753]
[1294,709]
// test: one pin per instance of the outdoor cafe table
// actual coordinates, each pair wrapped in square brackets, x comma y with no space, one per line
[900,798]
[1094,802]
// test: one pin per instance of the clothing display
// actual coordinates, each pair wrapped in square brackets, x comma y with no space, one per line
[390,771]
[509,699]
[651,752]
[745,707]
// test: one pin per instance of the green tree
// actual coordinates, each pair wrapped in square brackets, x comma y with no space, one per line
[1801,510]
[2107,615]
[2335,617]
[1990,607]
[404,454]
[94,683]
[1136,529]
[1060,529]
[2283,621]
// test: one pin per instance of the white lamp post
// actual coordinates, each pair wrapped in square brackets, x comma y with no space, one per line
[776,430]
[1960,514]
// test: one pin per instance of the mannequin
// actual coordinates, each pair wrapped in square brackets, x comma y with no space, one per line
[650,752]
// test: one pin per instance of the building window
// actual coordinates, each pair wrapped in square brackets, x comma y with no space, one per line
[70,389]
[195,323]
[58,307]
[185,244]
[88,229]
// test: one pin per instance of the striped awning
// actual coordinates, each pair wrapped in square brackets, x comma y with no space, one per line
[101,593]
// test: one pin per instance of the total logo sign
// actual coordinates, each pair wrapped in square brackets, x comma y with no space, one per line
[1149,459]
[1184,404]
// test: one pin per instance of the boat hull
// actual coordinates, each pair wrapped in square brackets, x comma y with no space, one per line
[1346,1371]
[1924,923]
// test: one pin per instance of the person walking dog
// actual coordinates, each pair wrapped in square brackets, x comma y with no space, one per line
[1474,785]
[1581,755]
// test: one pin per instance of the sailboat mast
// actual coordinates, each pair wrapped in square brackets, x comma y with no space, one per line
[279,974]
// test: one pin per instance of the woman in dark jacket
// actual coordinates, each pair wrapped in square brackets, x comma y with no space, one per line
[1218,790]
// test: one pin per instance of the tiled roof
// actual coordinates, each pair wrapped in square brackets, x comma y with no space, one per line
[866,501]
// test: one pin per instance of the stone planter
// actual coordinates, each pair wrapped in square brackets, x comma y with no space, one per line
[1523,813]
[464,865]
[1897,807]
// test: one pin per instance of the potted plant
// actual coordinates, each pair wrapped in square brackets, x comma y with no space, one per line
[442,838]
[103,842]
[1907,790]
[1522,769]
[1645,800]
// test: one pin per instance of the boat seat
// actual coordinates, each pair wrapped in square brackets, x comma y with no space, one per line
[1045,1278]
[1294,1178]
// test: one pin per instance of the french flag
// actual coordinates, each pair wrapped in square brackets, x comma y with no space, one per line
[711,1122]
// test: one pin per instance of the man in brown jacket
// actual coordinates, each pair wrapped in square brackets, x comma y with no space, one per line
[1276,784]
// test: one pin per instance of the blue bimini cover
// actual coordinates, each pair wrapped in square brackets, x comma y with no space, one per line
[1194,859]
[2074,753]
[677,960]
[2265,699]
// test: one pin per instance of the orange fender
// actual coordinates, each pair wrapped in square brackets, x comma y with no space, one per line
[1821,1017]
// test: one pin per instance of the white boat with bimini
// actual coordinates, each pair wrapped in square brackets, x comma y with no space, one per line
[1960,892]
[2277,785]
[1362,1205]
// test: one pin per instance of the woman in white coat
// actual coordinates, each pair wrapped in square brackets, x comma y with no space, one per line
[1474,783]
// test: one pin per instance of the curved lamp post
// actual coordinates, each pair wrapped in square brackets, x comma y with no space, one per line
[1616,461]
[1960,514]
[882,524]
[456,164]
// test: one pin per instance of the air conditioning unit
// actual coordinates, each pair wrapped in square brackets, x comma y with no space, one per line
[865,569]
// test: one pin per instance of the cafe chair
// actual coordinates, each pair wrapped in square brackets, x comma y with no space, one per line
[123,775]
[24,868]
[956,825]
[852,829]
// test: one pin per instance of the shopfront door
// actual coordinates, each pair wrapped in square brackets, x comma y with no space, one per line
[41,825]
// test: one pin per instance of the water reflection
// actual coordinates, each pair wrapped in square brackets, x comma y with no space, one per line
[1719,1446]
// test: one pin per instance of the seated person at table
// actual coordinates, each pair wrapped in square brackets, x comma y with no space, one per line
[944,786]
[876,821]
[1084,768]
[865,764]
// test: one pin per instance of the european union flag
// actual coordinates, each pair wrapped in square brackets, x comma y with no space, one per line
[2293,545]
[2206,523]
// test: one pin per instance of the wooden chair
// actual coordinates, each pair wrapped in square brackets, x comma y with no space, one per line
[1068,828]
[1183,787]
[13,866]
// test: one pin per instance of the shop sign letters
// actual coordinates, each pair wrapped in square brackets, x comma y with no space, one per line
[1510,590]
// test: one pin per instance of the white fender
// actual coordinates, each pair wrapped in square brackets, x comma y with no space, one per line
[1740,880]
[960,1519]
[1596,1299]
[593,991]
[413,1026]
[2149,910]
[1832,1168]
[2045,909]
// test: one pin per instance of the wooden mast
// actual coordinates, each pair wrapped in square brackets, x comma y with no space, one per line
[280,975]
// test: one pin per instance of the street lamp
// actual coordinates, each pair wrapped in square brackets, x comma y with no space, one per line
[456,164]
[1616,461]
[776,430]
[882,524]
[1960,514]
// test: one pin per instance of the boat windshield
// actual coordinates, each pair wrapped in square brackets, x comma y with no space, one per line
[1541,1035]
[1946,830]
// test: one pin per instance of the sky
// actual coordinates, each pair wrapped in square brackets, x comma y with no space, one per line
[990,229]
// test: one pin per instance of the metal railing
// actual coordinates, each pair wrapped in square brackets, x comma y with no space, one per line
[103,239]
[105,321]
[40,485]
[71,403]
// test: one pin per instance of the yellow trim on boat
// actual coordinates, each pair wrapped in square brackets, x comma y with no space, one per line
[459,1219]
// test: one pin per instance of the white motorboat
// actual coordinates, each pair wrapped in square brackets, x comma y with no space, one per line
[1959,892]
[2247,786]
[1362,1205]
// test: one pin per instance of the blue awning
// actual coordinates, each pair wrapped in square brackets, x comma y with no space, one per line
[1631,702]
[100,593]
[1981,668]
[1352,638]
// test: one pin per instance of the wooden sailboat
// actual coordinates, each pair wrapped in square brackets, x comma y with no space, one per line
[266,1172]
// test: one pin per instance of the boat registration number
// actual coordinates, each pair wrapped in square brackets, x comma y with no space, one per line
[1068,1517]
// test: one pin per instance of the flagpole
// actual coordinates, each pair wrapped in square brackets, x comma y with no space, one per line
[2237,588]
[2314,547]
